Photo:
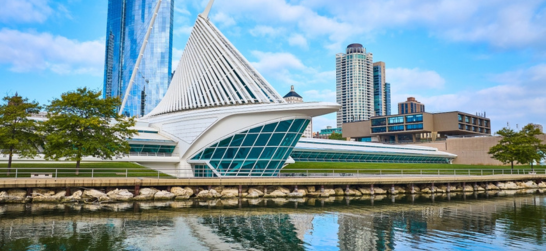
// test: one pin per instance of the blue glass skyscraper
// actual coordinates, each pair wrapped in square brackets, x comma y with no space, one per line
[127,23]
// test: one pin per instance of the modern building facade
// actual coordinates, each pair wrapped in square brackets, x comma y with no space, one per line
[354,84]
[325,133]
[410,106]
[293,97]
[418,127]
[381,90]
[127,23]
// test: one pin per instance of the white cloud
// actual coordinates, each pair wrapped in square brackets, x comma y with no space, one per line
[319,95]
[297,40]
[223,19]
[26,52]
[183,30]
[263,30]
[182,11]
[519,98]
[24,11]
[270,62]
[405,80]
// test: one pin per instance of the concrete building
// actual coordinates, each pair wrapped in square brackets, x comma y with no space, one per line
[293,97]
[381,90]
[354,84]
[127,22]
[417,127]
[325,133]
[410,106]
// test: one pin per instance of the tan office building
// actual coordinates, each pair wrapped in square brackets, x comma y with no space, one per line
[417,127]
[410,106]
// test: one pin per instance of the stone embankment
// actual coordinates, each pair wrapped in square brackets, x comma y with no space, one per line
[41,195]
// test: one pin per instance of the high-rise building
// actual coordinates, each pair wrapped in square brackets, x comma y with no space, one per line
[410,106]
[379,87]
[127,23]
[354,84]
[388,98]
[294,97]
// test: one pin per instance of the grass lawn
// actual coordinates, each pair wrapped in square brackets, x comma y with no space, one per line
[395,168]
[99,169]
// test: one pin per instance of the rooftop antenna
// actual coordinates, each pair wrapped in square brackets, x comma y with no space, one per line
[205,13]
[142,49]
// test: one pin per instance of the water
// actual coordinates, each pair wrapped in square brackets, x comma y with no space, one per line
[457,222]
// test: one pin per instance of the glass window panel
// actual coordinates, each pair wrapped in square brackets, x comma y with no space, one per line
[250,139]
[237,140]
[259,168]
[268,153]
[396,120]
[225,142]
[214,164]
[379,129]
[280,153]
[230,153]
[262,139]
[270,127]
[208,153]
[289,139]
[223,166]
[255,130]
[255,152]
[396,128]
[242,153]
[379,122]
[276,139]
[219,153]
[198,156]
[284,126]
[296,125]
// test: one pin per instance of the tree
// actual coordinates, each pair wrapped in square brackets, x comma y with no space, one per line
[18,133]
[336,136]
[506,151]
[531,148]
[82,124]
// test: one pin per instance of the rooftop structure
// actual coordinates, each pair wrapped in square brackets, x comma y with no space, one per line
[410,106]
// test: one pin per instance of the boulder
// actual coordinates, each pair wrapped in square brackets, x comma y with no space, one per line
[182,197]
[302,191]
[254,190]
[42,191]
[313,195]
[280,189]
[352,192]
[3,196]
[17,196]
[324,195]
[529,184]
[541,184]
[75,197]
[92,194]
[365,190]
[178,191]
[491,187]
[295,195]
[330,191]
[311,189]
[468,188]
[229,193]
[218,189]
[17,193]
[106,199]
[507,185]
[252,194]
[378,190]
[164,195]
[208,194]
[146,194]
[56,198]
[120,195]
[275,194]
[339,192]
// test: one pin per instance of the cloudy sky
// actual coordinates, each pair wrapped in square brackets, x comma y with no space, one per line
[472,56]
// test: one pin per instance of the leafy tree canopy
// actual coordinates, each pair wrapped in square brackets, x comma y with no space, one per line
[336,136]
[522,147]
[18,134]
[81,123]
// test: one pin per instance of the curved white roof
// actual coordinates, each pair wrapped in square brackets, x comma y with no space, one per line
[212,73]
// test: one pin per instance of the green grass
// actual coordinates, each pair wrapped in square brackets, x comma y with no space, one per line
[395,168]
[99,169]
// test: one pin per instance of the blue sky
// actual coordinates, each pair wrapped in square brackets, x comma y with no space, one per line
[472,56]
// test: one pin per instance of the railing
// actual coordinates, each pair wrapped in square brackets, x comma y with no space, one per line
[173,173]
[146,154]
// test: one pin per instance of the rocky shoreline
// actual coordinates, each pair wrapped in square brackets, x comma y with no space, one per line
[41,195]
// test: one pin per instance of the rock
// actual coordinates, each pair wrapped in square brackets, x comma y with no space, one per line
[280,189]
[17,196]
[252,195]
[229,193]
[92,194]
[330,191]
[529,184]
[311,189]
[352,192]
[324,195]
[491,186]
[426,190]
[208,194]
[189,191]
[541,184]
[75,197]
[17,193]
[178,191]
[468,188]
[313,195]
[302,191]
[56,198]
[508,185]
[254,190]
[146,194]
[295,195]
[106,199]
[339,192]
[275,194]
[164,195]
[120,195]
[182,197]
[378,190]
[41,191]
[365,190]
[218,189]
[3,196]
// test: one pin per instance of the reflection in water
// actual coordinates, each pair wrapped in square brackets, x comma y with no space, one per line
[461,222]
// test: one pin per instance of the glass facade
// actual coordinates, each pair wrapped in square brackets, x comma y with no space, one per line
[396,128]
[414,118]
[379,122]
[127,23]
[396,120]
[310,156]
[414,127]
[388,98]
[260,151]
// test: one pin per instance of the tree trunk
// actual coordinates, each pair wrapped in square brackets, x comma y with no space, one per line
[532,167]
[78,167]
[10,159]
[512,165]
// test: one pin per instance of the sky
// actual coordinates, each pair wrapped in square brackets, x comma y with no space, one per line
[471,56]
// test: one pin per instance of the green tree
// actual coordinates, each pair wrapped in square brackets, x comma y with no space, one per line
[531,148]
[506,151]
[336,136]
[81,123]
[18,133]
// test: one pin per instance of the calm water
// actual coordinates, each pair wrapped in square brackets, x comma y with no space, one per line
[458,222]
